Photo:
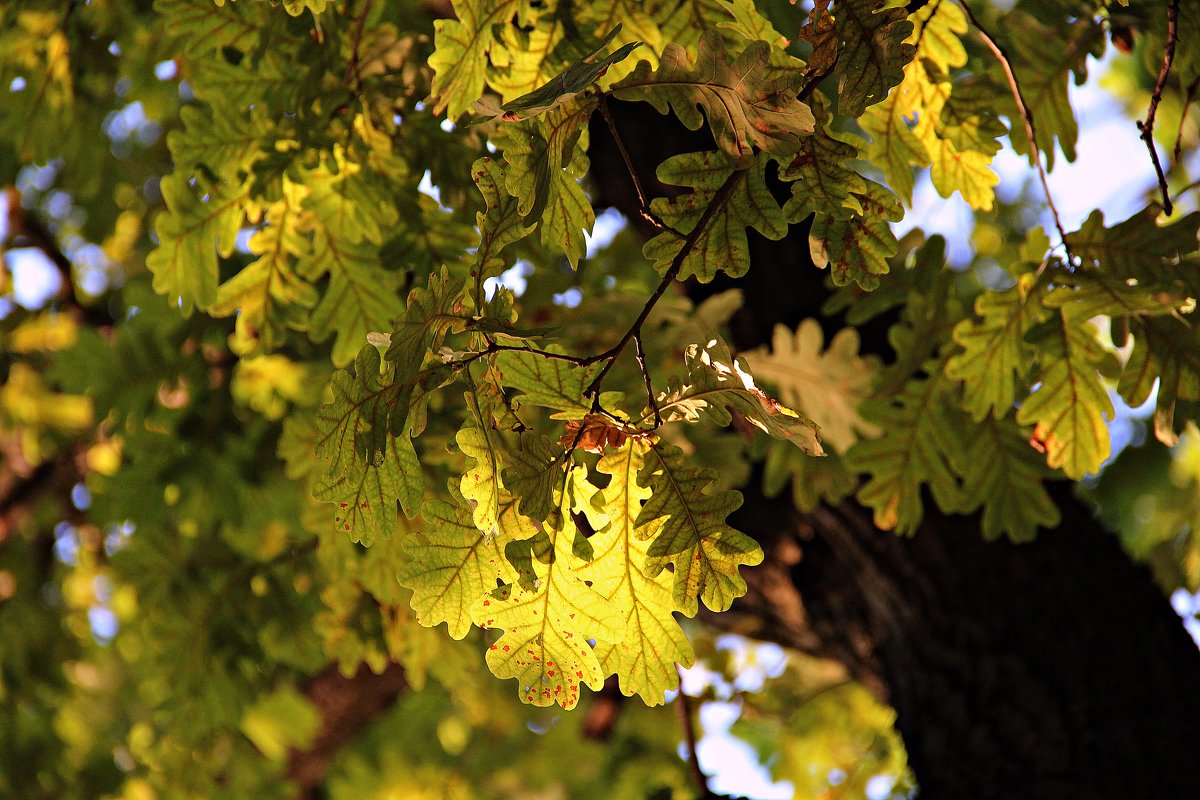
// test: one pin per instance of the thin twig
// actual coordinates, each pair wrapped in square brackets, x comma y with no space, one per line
[641,360]
[610,356]
[643,203]
[1147,127]
[1026,116]
[579,361]
[1187,103]
[683,705]
[352,66]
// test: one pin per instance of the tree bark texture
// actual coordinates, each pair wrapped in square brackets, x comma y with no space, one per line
[1055,669]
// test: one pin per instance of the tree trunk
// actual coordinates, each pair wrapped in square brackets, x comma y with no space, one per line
[1044,670]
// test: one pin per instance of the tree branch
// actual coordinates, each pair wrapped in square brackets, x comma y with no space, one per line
[1026,115]
[1147,127]
[683,706]
[718,199]
[352,65]
[1187,103]
[646,213]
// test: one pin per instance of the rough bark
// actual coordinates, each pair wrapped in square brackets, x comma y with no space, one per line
[1052,669]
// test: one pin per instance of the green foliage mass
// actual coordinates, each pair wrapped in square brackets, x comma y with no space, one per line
[307,414]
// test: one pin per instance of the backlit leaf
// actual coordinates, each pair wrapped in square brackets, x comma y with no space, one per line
[451,566]
[644,659]
[718,386]
[995,353]
[1070,404]
[919,444]
[872,52]
[684,519]
[547,625]
[370,469]
[196,227]
[722,247]
[463,45]
[743,109]
[826,386]
[857,248]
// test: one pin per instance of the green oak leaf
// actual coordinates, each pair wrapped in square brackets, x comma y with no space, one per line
[500,224]
[1070,403]
[822,178]
[1006,476]
[744,109]
[562,87]
[722,246]
[545,165]
[857,248]
[267,295]
[197,227]
[548,623]
[462,49]
[921,443]
[450,565]
[684,521]
[551,382]
[653,643]
[1137,247]
[433,312]
[361,296]
[872,54]
[370,468]
[535,472]
[1165,350]
[995,353]
[825,384]
[1045,75]
[482,484]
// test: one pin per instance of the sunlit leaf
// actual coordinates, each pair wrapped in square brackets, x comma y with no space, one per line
[451,566]
[644,659]
[547,626]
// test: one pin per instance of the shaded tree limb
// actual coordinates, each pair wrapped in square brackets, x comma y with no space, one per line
[346,706]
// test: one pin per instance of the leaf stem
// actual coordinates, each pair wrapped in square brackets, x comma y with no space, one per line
[1147,127]
[1026,114]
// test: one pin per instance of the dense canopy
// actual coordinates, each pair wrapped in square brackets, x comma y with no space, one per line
[381,381]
